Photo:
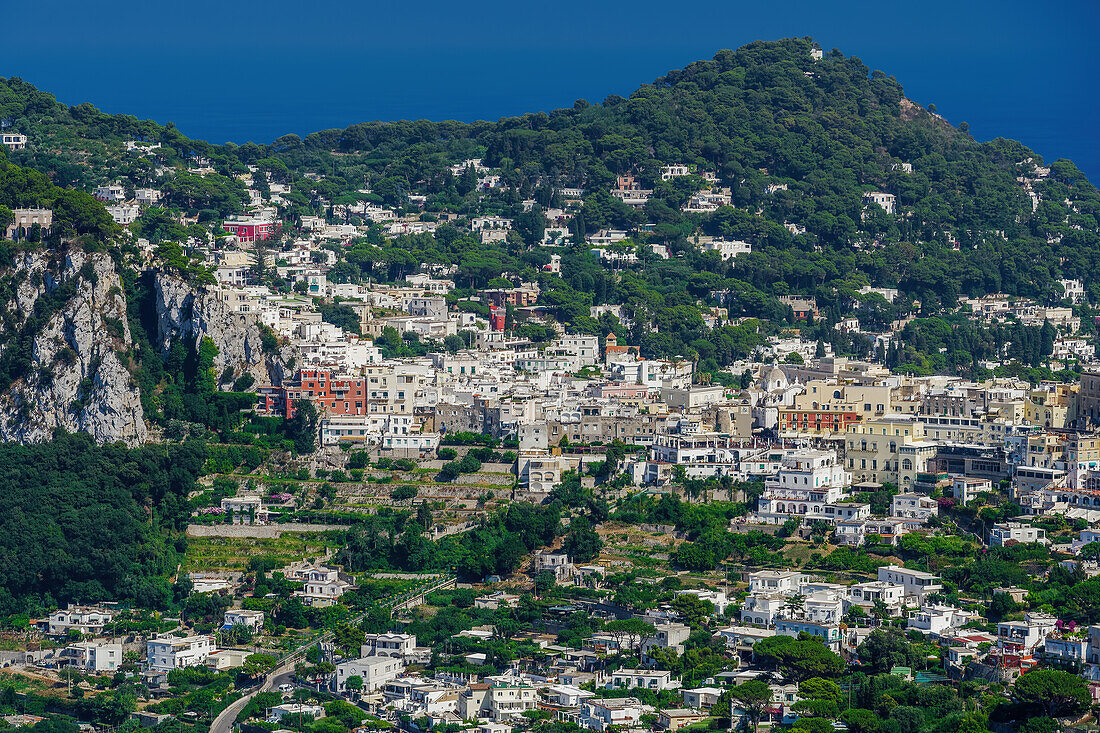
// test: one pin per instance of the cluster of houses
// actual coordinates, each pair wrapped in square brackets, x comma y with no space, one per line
[816,429]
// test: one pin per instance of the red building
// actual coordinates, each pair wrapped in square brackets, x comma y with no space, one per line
[498,317]
[331,395]
[816,421]
[250,229]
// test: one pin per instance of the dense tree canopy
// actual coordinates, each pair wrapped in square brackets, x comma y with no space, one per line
[83,523]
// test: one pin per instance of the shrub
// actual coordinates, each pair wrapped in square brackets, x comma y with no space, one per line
[401,493]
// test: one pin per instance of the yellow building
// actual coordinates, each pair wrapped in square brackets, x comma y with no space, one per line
[828,407]
[1051,405]
[1082,453]
[1044,450]
[875,450]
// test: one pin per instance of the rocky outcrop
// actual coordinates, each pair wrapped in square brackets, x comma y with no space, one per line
[66,345]
[76,379]
[189,314]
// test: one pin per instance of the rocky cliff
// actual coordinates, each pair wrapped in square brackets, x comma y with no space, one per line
[66,350]
[184,312]
[71,311]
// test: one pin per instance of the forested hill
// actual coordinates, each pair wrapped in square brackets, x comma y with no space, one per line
[797,140]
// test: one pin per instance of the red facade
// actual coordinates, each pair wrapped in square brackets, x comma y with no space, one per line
[251,231]
[334,396]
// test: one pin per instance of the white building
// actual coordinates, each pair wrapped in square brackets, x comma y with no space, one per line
[599,714]
[887,201]
[726,249]
[650,679]
[165,653]
[375,671]
[936,620]
[668,636]
[93,656]
[497,701]
[14,141]
[401,646]
[124,213]
[112,192]
[776,581]
[85,619]
[1064,649]
[567,696]
[1023,636]
[557,563]
[866,595]
[292,710]
[914,508]
[1074,291]
[1002,534]
[855,531]
[915,582]
[764,610]
[323,586]
[809,486]
[669,172]
[253,620]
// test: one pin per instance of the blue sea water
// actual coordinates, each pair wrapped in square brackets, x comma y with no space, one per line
[241,70]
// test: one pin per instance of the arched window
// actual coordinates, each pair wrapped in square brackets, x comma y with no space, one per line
[907,465]
[893,446]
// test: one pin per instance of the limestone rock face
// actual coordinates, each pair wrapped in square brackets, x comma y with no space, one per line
[72,309]
[187,315]
[67,343]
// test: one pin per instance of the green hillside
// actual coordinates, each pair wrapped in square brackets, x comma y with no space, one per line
[817,134]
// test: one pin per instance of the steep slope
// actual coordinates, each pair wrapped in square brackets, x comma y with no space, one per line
[69,312]
[188,314]
[798,141]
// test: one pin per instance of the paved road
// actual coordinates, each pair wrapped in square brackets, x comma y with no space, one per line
[225,720]
[285,671]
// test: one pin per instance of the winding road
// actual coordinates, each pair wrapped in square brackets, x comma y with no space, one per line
[284,672]
[226,718]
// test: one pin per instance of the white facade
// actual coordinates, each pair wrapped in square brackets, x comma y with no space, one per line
[14,141]
[914,507]
[254,620]
[809,486]
[600,714]
[375,671]
[936,620]
[93,656]
[165,653]
[1001,534]
[727,249]
[86,620]
[388,645]
[887,201]
[649,679]
[915,582]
